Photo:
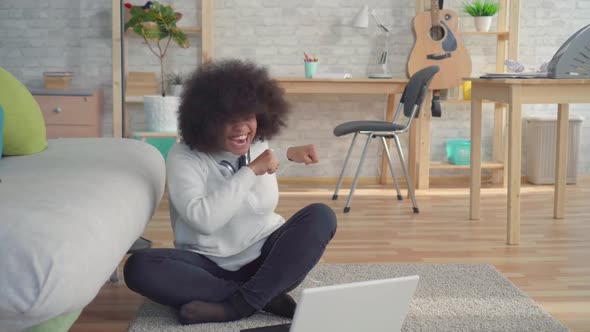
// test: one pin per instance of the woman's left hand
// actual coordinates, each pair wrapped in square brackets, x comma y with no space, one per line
[303,154]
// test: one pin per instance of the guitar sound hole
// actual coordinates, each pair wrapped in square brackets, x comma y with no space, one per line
[437,33]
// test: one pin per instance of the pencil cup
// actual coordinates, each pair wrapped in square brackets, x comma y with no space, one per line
[310,69]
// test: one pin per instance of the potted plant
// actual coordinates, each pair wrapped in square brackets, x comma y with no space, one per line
[482,12]
[156,23]
[175,81]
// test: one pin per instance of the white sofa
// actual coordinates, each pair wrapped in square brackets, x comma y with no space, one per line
[67,217]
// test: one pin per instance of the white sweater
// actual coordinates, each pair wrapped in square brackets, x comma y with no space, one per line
[228,218]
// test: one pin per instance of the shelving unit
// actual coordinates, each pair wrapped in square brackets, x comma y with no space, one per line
[506,37]
[121,127]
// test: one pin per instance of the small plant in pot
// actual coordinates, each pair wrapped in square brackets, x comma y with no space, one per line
[175,82]
[156,23]
[482,12]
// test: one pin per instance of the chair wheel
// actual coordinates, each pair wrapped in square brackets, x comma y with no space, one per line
[335,197]
[416,210]
[399,197]
[347,209]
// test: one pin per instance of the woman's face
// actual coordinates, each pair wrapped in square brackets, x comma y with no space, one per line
[238,135]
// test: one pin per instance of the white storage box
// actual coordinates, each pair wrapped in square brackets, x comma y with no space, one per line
[540,141]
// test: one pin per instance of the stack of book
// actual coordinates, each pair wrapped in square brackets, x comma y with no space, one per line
[57,80]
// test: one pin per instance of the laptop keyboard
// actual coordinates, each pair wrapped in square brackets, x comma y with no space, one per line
[272,328]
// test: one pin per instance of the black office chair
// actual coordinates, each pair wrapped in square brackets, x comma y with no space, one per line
[411,101]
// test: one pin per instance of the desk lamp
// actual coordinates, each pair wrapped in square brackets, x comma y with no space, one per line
[361,20]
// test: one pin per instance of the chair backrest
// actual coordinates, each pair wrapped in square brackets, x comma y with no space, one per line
[416,90]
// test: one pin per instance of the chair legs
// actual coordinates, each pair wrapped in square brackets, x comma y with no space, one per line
[408,180]
[356,175]
[335,196]
[386,148]
[360,165]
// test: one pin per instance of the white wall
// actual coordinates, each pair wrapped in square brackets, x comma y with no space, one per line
[76,35]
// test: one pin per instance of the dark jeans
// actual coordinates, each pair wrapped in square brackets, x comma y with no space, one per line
[174,277]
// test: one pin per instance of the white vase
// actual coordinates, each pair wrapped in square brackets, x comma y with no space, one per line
[161,113]
[177,90]
[483,23]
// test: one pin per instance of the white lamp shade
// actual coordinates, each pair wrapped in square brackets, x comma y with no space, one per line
[361,20]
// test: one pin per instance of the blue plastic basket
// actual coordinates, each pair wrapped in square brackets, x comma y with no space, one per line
[459,151]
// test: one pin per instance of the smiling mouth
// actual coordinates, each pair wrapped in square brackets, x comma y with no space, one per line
[239,140]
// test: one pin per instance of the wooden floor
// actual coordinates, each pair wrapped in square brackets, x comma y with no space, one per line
[551,264]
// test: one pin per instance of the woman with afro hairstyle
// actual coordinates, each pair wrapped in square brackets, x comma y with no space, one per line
[234,255]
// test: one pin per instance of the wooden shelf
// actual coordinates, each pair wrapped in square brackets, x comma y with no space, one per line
[191,29]
[154,134]
[134,100]
[484,165]
[500,34]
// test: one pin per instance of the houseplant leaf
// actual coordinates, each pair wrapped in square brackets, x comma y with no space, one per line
[179,37]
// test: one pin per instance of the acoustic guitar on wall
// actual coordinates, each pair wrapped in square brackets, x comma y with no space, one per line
[437,43]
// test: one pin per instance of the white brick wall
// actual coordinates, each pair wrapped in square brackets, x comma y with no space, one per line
[44,35]
[76,35]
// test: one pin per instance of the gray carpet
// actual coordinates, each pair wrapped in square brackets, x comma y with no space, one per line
[463,297]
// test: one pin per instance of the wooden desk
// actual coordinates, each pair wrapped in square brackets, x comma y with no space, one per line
[392,88]
[515,93]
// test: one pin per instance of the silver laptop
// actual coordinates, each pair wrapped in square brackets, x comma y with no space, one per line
[368,306]
[572,60]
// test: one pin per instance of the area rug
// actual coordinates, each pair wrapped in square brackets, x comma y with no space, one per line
[449,297]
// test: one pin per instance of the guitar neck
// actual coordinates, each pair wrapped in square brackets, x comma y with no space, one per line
[434,13]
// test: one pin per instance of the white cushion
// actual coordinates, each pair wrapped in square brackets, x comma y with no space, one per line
[67,217]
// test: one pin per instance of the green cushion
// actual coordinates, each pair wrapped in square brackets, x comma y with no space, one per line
[24,126]
[57,324]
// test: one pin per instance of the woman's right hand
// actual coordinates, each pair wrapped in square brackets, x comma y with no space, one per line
[265,163]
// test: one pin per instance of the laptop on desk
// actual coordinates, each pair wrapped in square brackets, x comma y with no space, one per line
[368,306]
[516,75]
[571,60]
